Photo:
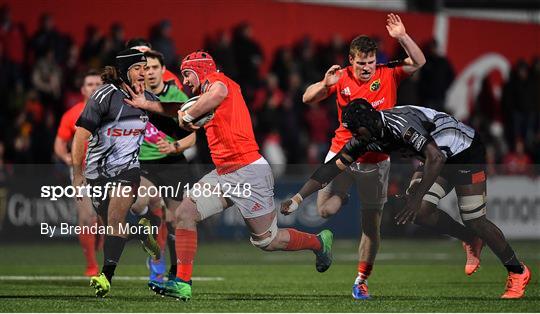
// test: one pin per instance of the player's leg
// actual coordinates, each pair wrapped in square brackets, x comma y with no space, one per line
[153,244]
[266,235]
[431,217]
[116,238]
[372,185]
[194,208]
[146,211]
[170,223]
[87,217]
[472,206]
[260,215]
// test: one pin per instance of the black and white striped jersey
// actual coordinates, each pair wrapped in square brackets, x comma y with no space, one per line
[117,132]
[409,128]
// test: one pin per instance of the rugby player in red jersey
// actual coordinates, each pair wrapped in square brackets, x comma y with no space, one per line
[242,176]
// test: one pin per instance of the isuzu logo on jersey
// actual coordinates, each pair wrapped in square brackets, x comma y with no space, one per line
[124,132]
[375,85]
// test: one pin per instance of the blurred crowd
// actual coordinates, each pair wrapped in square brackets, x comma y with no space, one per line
[40,79]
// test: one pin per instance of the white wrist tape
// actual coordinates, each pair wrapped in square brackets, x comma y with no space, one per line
[188,118]
[296,200]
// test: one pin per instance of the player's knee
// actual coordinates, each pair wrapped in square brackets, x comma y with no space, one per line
[472,209]
[207,206]
[324,211]
[328,209]
[140,204]
[371,219]
[187,211]
[154,202]
[85,219]
[476,224]
[265,240]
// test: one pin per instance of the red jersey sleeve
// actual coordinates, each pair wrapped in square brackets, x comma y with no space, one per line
[332,90]
[399,74]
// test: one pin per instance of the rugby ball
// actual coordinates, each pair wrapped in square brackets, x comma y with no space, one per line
[202,120]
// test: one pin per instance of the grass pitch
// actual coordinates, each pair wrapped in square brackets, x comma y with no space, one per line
[410,276]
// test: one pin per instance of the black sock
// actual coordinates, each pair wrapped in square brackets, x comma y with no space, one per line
[444,224]
[171,244]
[112,250]
[510,261]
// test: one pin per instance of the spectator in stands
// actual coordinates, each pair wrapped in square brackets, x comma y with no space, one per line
[336,51]
[221,49]
[292,123]
[535,88]
[12,37]
[436,76]
[308,65]
[161,40]
[47,38]
[319,128]
[518,162]
[517,103]
[382,56]
[93,47]
[267,106]
[47,79]
[114,43]
[248,56]
[283,65]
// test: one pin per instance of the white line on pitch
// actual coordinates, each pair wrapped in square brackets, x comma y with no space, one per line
[122,278]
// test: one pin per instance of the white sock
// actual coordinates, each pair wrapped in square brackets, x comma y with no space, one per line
[145,210]
[359,279]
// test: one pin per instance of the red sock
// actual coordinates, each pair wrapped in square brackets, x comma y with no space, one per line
[186,247]
[364,270]
[88,244]
[302,241]
[162,235]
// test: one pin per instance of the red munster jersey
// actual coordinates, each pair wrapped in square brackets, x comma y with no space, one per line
[66,129]
[230,133]
[380,91]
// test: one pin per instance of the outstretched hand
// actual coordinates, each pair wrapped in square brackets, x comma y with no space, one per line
[332,76]
[409,212]
[137,96]
[395,27]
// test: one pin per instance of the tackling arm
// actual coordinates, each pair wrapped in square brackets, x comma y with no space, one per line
[435,160]
[318,180]
[325,174]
